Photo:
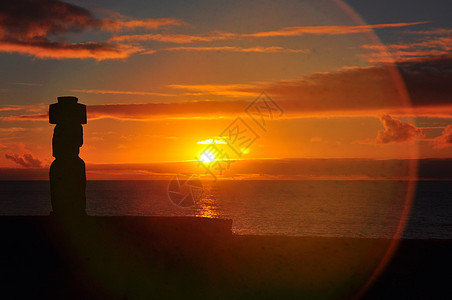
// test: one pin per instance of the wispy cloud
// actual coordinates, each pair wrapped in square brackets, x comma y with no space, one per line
[327,30]
[13,129]
[120,25]
[31,117]
[149,111]
[435,31]
[54,50]
[432,43]
[400,56]
[27,108]
[27,83]
[273,49]
[172,38]
[231,90]
[116,92]
[10,108]
[283,32]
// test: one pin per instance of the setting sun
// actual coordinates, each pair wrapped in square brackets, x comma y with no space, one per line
[207,157]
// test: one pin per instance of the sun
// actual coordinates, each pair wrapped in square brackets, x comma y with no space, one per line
[207,157]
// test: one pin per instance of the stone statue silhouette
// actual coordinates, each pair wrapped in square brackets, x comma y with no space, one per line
[67,172]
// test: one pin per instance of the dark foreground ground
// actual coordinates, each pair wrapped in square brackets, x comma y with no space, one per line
[185,258]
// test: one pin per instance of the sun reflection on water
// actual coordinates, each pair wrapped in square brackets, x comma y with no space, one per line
[207,206]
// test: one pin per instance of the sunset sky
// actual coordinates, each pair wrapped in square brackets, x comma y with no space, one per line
[161,79]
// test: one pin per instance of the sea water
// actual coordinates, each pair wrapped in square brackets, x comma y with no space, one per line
[300,208]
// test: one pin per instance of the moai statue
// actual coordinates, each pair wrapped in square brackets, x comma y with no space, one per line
[67,172]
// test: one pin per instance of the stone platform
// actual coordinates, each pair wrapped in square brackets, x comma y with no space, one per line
[186,257]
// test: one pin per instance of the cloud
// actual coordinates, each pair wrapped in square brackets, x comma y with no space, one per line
[428,80]
[327,30]
[114,92]
[230,90]
[35,19]
[437,43]
[283,32]
[166,110]
[13,129]
[273,49]
[444,140]
[38,28]
[376,88]
[32,117]
[435,31]
[47,49]
[26,160]
[9,108]
[27,84]
[172,38]
[119,25]
[228,108]
[396,131]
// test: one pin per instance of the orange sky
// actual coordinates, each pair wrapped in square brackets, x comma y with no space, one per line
[156,85]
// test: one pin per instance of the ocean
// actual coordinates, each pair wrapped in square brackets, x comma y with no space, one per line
[342,208]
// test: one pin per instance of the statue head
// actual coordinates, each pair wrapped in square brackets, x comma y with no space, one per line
[67,111]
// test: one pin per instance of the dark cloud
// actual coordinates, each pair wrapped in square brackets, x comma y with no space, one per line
[349,89]
[25,20]
[26,160]
[150,110]
[28,27]
[396,131]
[38,28]
[428,80]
